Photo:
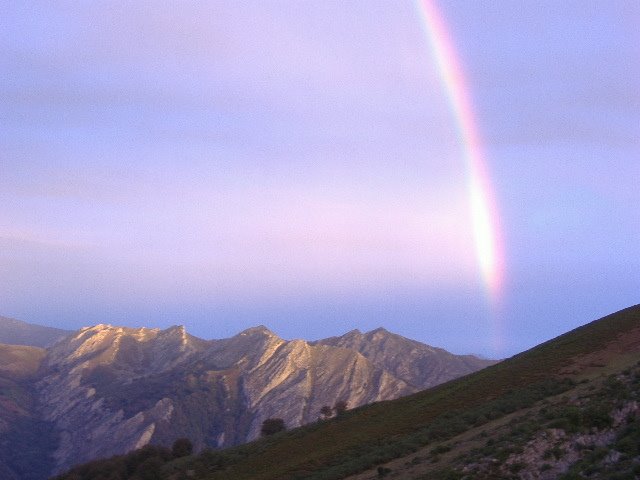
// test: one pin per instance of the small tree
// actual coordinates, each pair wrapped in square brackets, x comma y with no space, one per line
[149,469]
[383,471]
[272,425]
[182,447]
[340,407]
[326,411]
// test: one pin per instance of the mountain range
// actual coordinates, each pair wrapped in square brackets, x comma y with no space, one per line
[105,390]
[567,409]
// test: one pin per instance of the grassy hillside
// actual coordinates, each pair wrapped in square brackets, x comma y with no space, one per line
[368,437]
[590,431]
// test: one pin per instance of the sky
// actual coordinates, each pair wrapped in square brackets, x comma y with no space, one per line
[301,165]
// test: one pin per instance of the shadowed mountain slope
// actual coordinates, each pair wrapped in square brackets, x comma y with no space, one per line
[15,332]
[26,441]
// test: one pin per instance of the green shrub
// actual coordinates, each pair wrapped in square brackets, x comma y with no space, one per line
[272,426]
[182,447]
[440,449]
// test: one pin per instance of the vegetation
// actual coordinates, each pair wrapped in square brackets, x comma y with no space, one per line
[340,407]
[592,424]
[570,385]
[182,447]
[143,464]
[326,412]
[272,426]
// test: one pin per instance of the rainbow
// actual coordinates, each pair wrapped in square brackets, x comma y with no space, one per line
[483,209]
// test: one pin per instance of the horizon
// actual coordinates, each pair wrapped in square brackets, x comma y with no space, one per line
[312,340]
[464,175]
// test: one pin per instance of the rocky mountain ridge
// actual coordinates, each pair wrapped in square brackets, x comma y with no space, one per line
[568,408]
[105,390]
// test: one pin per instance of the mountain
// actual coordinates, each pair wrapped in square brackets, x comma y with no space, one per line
[106,390]
[419,365]
[25,439]
[15,332]
[566,409]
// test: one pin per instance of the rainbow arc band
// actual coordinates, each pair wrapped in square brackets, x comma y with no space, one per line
[483,209]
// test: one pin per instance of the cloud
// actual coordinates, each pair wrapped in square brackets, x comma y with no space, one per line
[550,73]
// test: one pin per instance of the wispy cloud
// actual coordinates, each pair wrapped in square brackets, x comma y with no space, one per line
[255,155]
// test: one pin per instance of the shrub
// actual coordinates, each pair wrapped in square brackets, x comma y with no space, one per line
[440,449]
[383,471]
[272,425]
[340,407]
[182,447]
[326,411]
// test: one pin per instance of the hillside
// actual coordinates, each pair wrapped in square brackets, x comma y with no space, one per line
[567,407]
[16,332]
[419,365]
[26,441]
[110,389]
[107,390]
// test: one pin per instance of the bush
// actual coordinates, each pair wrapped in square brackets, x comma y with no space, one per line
[272,425]
[182,447]
[383,471]
[326,411]
[440,449]
[340,407]
[149,469]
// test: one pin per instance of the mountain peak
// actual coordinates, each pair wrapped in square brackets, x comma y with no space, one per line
[381,333]
[108,329]
[176,329]
[352,333]
[98,327]
[259,330]
[379,330]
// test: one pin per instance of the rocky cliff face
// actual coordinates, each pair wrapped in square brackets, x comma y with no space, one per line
[106,390]
[420,366]
[94,388]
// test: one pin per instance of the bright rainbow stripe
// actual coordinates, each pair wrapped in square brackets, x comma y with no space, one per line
[484,213]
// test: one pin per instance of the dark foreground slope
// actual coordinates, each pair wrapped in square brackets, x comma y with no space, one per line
[570,402]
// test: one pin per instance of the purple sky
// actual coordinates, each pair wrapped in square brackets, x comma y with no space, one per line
[296,164]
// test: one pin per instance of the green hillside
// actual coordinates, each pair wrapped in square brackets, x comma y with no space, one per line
[433,421]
